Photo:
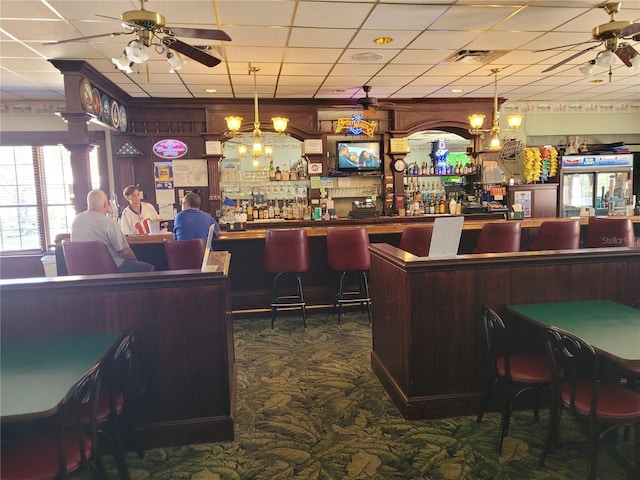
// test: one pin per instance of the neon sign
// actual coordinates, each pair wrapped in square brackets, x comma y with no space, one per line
[357,126]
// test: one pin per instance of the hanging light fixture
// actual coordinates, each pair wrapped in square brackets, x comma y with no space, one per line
[137,51]
[234,123]
[477,120]
[514,121]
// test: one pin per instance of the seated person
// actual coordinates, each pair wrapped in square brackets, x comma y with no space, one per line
[137,211]
[345,159]
[93,224]
[368,160]
[192,222]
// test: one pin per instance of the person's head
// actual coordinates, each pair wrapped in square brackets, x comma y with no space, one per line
[191,200]
[364,155]
[97,201]
[132,193]
[343,151]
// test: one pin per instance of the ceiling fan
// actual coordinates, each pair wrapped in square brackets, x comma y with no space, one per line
[150,29]
[367,103]
[611,35]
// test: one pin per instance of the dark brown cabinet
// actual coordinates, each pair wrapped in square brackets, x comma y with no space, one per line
[540,200]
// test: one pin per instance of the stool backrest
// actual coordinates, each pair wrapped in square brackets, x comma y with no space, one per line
[499,237]
[88,258]
[286,250]
[417,240]
[610,232]
[348,249]
[184,254]
[558,235]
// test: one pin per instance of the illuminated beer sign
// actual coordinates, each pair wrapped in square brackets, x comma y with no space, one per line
[357,126]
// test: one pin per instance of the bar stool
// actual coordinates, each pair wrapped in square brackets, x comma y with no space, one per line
[348,250]
[499,237]
[286,251]
[417,240]
[558,235]
[610,232]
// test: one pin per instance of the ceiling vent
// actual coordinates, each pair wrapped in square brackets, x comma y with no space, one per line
[475,56]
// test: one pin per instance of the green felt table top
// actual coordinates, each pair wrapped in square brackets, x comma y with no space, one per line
[36,373]
[611,328]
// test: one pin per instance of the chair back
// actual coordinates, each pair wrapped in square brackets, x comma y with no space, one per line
[348,249]
[185,254]
[558,235]
[610,232]
[499,237]
[88,258]
[417,240]
[286,250]
[495,332]
[573,362]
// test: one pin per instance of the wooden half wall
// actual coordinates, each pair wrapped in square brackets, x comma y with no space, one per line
[184,373]
[428,340]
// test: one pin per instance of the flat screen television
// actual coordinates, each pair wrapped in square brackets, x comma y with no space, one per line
[359,156]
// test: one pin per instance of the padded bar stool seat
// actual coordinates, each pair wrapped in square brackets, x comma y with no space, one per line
[558,235]
[286,252]
[499,237]
[417,240]
[348,251]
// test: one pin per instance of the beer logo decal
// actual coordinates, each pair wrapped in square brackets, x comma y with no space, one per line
[170,149]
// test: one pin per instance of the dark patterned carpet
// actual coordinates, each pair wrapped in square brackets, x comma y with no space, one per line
[309,407]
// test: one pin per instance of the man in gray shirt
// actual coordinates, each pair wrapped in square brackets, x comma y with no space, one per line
[93,225]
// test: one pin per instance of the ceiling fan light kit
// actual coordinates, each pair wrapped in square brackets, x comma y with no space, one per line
[587,68]
[610,35]
[605,58]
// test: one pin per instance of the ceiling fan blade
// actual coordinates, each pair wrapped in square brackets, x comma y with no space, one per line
[191,52]
[560,47]
[625,53]
[199,33]
[630,30]
[77,39]
[568,59]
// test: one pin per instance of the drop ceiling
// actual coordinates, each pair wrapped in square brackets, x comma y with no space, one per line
[306,48]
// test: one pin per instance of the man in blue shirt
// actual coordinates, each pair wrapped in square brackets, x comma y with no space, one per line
[192,222]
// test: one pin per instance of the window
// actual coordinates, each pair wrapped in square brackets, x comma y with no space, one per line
[36,189]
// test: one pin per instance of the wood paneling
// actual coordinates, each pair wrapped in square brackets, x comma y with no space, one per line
[428,341]
[185,365]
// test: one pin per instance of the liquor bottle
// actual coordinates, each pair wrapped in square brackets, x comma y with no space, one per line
[452,205]
[250,212]
[278,174]
[441,205]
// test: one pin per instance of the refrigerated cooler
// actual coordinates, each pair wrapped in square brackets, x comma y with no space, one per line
[600,183]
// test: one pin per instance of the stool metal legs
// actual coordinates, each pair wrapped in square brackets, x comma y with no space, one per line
[361,296]
[287,300]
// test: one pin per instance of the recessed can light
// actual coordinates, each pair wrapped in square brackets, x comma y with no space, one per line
[457,90]
[210,90]
[596,80]
[383,40]
[367,57]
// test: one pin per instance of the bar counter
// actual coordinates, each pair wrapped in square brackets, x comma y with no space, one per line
[251,285]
